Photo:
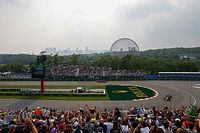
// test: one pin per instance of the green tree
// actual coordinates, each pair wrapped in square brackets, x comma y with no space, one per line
[73,59]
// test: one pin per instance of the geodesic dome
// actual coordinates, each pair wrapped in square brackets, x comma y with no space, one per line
[124,46]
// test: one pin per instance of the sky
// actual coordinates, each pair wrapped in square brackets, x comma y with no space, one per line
[29,26]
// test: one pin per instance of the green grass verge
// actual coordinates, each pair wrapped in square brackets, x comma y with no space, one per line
[147,91]
[114,92]
[51,86]
[75,98]
[117,92]
[9,92]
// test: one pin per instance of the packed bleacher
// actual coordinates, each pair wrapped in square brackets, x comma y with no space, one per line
[97,120]
[83,70]
[12,75]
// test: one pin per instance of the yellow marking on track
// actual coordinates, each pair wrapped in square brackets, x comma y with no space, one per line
[137,92]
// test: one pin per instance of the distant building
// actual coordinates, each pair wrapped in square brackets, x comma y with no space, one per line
[68,51]
[189,56]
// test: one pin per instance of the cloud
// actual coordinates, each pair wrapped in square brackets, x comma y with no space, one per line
[143,9]
[179,26]
[20,3]
[162,23]
[151,23]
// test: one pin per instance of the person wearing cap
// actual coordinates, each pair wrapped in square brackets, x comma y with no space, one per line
[139,120]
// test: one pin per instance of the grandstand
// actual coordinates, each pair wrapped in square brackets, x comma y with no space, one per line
[82,72]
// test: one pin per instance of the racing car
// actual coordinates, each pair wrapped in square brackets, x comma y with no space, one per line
[167,98]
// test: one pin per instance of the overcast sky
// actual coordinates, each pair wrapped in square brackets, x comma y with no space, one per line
[29,26]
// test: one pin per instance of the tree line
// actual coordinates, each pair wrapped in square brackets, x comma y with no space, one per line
[151,61]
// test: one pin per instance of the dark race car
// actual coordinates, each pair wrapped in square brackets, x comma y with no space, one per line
[101,81]
[167,98]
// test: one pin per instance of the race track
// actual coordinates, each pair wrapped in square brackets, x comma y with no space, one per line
[180,91]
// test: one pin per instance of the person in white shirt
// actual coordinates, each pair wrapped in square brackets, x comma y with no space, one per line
[144,128]
[109,125]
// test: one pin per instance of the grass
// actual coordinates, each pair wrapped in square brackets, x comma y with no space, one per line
[117,92]
[51,86]
[75,98]
[9,92]
[147,91]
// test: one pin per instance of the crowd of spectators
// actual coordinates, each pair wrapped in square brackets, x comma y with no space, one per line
[62,70]
[13,75]
[93,120]
[83,70]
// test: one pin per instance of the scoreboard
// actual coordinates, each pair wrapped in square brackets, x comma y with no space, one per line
[38,72]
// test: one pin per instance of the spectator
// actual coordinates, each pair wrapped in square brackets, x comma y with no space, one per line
[144,128]
[90,120]
[191,128]
[38,113]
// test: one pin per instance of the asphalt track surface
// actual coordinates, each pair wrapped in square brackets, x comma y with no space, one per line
[180,91]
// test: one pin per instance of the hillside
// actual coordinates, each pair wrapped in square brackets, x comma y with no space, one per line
[173,53]
[16,58]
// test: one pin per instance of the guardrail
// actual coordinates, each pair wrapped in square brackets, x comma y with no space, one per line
[106,78]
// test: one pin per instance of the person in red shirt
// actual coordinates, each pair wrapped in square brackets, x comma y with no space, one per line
[38,113]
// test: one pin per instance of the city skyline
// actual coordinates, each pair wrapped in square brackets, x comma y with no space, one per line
[29,26]
[69,51]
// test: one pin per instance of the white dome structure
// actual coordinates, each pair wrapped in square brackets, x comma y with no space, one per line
[123,47]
